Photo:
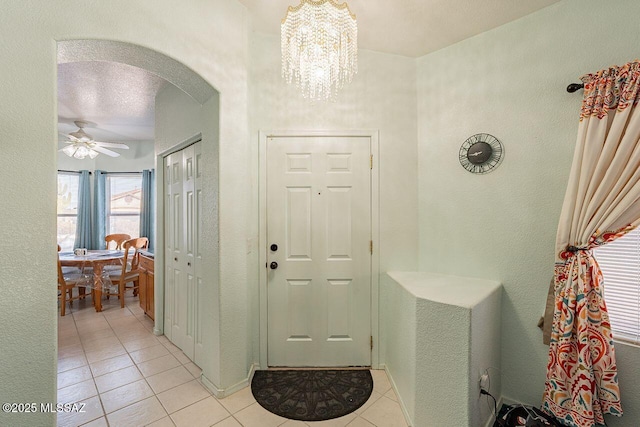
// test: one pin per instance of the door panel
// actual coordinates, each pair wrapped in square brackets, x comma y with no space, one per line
[339,222]
[174,267]
[298,223]
[199,303]
[186,288]
[183,279]
[168,230]
[319,214]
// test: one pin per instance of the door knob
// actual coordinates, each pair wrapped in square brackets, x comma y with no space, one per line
[175,259]
[274,247]
[273,265]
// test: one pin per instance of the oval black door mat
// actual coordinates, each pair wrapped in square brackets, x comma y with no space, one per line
[312,395]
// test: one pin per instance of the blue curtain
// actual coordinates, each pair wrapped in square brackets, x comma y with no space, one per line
[83,223]
[100,209]
[147,208]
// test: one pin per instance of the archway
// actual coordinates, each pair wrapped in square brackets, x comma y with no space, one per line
[199,93]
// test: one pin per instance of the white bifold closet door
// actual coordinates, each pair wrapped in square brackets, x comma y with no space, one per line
[183,257]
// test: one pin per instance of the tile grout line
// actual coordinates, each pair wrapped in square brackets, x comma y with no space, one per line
[128,355]
[82,344]
[91,372]
[136,364]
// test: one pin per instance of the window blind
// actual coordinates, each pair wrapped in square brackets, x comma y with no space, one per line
[620,264]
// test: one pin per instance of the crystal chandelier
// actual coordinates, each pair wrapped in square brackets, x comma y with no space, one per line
[319,43]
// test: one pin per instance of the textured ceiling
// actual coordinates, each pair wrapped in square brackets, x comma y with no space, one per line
[408,27]
[119,98]
[114,84]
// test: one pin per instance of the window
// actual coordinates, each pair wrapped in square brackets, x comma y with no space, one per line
[67,209]
[620,264]
[123,203]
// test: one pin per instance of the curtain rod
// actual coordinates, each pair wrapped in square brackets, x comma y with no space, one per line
[66,171]
[573,87]
[108,173]
[121,173]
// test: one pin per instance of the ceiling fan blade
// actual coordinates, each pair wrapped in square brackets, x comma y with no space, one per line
[112,144]
[105,151]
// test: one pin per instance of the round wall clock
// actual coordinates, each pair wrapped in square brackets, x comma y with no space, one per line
[481,153]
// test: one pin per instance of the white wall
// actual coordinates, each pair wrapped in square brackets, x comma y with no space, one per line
[485,356]
[440,332]
[511,82]
[210,38]
[179,120]
[382,97]
[398,330]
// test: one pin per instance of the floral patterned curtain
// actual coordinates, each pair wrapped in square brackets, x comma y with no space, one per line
[602,203]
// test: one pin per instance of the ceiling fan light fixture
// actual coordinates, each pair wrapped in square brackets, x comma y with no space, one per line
[69,150]
[319,45]
[93,154]
[82,151]
[81,144]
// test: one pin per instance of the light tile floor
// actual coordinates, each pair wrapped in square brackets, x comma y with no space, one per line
[126,376]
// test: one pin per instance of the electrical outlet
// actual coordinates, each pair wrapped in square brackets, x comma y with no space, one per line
[484,382]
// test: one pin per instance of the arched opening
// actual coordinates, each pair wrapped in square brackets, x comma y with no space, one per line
[186,111]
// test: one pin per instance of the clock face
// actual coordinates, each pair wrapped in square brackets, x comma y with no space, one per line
[481,153]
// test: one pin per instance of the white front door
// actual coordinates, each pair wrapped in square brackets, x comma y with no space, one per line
[319,217]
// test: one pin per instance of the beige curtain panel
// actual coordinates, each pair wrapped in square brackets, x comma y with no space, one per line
[602,203]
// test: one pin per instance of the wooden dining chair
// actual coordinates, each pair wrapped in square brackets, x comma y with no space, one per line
[66,282]
[129,272]
[116,240]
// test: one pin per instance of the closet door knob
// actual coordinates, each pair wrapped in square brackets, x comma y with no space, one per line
[273,265]
[175,259]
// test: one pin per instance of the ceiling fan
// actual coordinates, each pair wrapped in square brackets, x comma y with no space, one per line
[82,144]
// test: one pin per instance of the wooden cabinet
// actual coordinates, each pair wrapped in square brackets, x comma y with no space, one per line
[146,285]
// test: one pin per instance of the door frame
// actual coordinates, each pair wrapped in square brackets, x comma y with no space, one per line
[373,136]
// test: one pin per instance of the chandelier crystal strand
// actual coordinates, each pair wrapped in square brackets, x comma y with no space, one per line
[319,45]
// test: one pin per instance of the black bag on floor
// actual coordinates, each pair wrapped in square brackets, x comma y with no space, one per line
[523,416]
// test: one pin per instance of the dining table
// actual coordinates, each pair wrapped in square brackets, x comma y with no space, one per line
[95,259]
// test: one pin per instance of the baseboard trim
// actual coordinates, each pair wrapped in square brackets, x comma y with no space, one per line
[493,417]
[488,423]
[508,401]
[221,393]
[395,389]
